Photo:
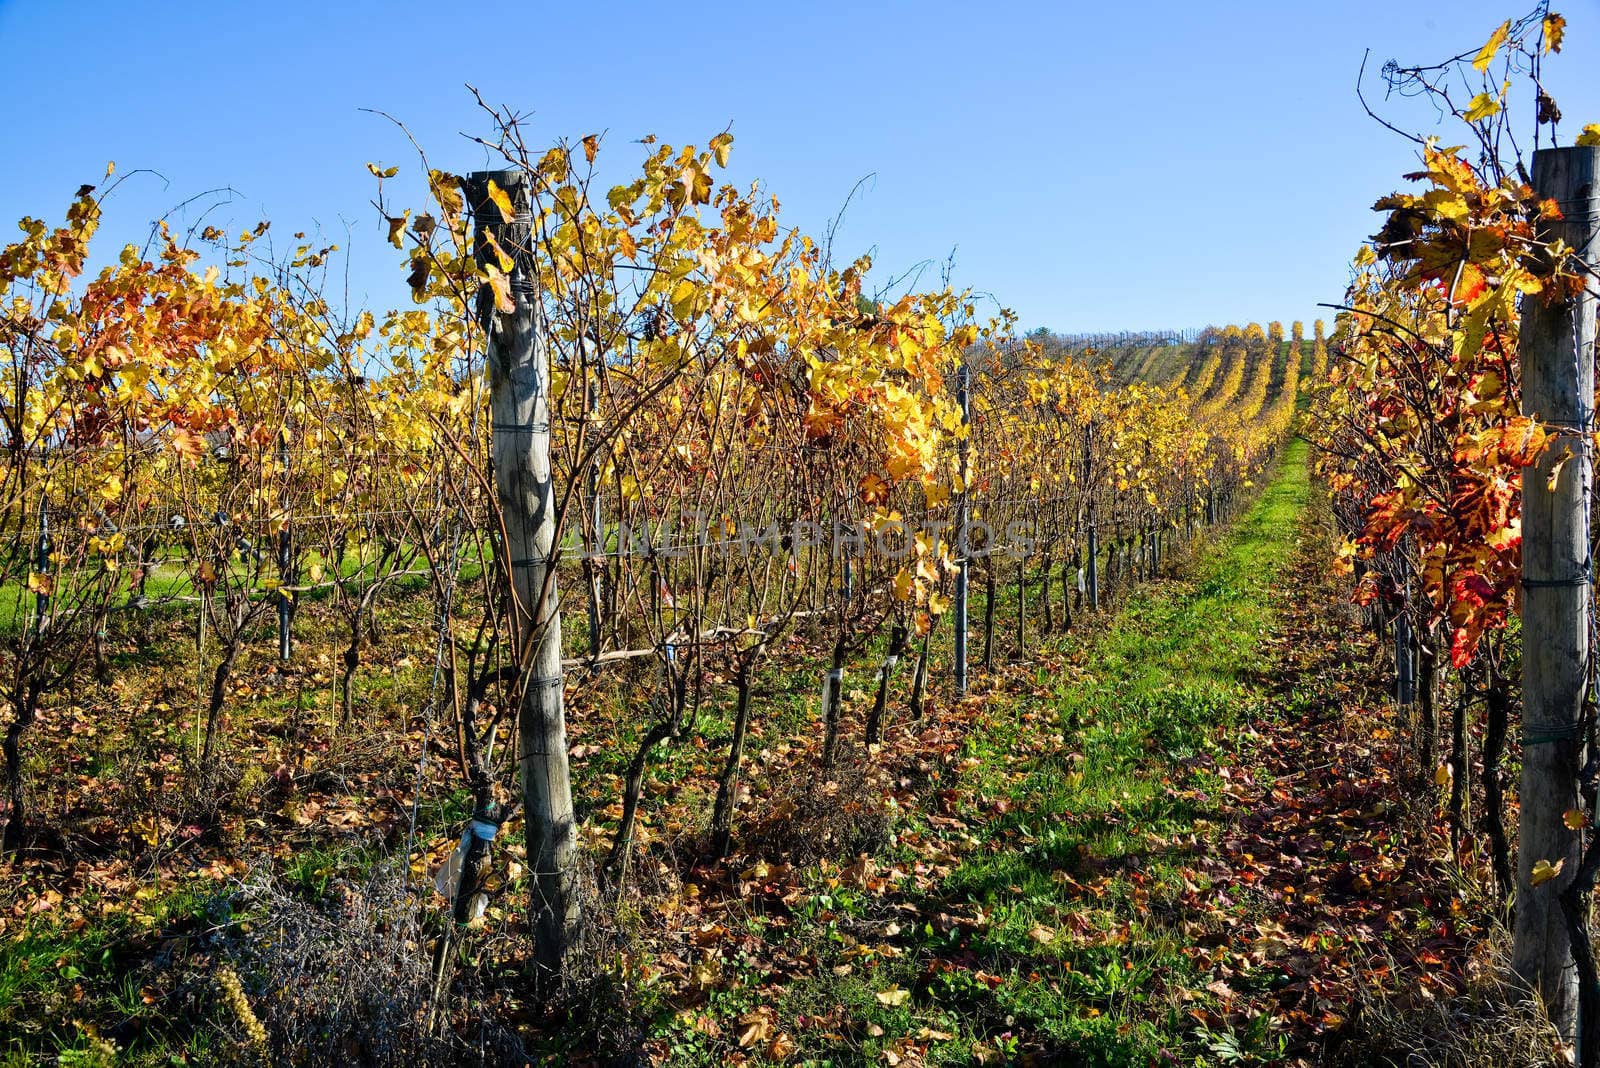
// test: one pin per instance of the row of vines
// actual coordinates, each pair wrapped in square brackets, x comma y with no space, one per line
[1425,434]
[750,458]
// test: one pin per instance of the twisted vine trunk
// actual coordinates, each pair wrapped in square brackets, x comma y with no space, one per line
[919,677]
[1044,597]
[1069,570]
[1498,702]
[25,704]
[1022,610]
[728,781]
[1427,686]
[832,694]
[1460,769]
[632,790]
[217,698]
[988,616]
[897,646]
[351,660]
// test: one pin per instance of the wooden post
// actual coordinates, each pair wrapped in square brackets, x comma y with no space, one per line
[963,548]
[519,401]
[1558,345]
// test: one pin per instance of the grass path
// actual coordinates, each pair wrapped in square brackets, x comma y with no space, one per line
[1059,886]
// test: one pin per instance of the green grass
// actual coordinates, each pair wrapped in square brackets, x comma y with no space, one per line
[1079,949]
[58,982]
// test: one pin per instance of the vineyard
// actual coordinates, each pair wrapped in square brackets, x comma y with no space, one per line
[658,643]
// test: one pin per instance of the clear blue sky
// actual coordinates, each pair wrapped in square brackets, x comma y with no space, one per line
[1094,166]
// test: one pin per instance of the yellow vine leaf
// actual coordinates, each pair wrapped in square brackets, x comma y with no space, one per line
[1485,56]
[505,261]
[397,228]
[500,283]
[902,585]
[1481,107]
[501,200]
[1555,473]
[1573,818]
[1543,871]
[720,146]
[1590,137]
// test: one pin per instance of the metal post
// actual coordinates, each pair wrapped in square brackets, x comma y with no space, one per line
[1094,536]
[284,579]
[1404,665]
[964,398]
[597,531]
[42,565]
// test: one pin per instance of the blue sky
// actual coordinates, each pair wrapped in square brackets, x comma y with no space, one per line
[1093,166]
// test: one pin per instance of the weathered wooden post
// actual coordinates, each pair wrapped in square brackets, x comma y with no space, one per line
[519,401]
[1558,348]
[963,546]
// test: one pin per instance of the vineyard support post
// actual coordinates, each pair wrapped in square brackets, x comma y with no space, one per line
[1557,343]
[285,557]
[596,517]
[41,563]
[1094,564]
[519,398]
[963,547]
[1094,536]
[1405,680]
[285,606]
